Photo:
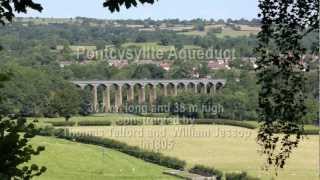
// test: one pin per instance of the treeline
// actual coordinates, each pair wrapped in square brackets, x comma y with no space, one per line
[35,92]
[46,92]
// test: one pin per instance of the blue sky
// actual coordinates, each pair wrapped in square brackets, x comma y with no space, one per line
[163,9]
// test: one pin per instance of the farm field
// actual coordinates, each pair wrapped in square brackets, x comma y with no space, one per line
[225,32]
[156,46]
[224,147]
[232,33]
[67,160]
[113,117]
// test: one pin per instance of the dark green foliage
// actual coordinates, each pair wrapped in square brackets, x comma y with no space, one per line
[49,130]
[226,122]
[80,123]
[15,134]
[14,147]
[280,74]
[129,122]
[15,150]
[148,71]
[206,171]
[239,176]
[65,102]
[114,5]
[7,8]
[33,92]
[94,123]
[61,123]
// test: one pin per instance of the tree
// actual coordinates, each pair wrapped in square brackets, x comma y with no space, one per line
[148,71]
[164,40]
[14,147]
[66,101]
[181,71]
[114,5]
[200,26]
[280,75]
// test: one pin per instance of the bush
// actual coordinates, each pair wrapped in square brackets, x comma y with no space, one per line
[163,115]
[206,171]
[186,121]
[235,123]
[94,123]
[162,121]
[239,176]
[49,130]
[129,122]
[62,123]
[204,121]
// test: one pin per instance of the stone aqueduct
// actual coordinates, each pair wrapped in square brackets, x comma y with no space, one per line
[138,91]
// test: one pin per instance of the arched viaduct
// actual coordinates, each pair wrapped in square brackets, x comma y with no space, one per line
[116,92]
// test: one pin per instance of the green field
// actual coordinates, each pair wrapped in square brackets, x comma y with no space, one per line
[112,117]
[67,160]
[227,148]
[156,46]
[225,32]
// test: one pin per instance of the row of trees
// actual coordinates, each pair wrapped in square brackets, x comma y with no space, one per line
[44,92]
[33,93]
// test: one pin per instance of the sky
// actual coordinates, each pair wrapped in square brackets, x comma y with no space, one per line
[162,9]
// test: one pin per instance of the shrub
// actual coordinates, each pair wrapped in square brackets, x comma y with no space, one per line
[162,121]
[206,171]
[94,123]
[186,121]
[129,122]
[168,122]
[239,176]
[62,123]
[49,130]
[204,121]
[234,123]
[163,115]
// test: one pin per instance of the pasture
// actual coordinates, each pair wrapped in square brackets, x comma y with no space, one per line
[224,147]
[226,31]
[68,160]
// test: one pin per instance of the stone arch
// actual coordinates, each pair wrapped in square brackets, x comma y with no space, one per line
[162,89]
[181,87]
[127,94]
[192,87]
[201,87]
[210,88]
[172,89]
[80,86]
[219,86]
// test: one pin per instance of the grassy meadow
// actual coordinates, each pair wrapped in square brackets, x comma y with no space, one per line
[224,147]
[67,160]
[225,32]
